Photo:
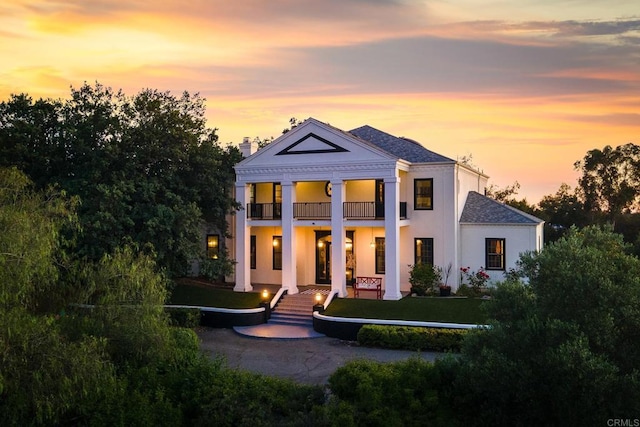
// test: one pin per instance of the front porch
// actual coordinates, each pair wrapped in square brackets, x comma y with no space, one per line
[311,254]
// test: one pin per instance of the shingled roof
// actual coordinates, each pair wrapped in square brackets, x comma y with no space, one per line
[480,209]
[402,148]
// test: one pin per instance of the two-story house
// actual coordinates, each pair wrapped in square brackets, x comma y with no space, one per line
[322,206]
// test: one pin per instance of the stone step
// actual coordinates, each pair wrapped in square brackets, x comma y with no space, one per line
[291,319]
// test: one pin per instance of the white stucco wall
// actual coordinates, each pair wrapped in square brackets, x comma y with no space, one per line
[518,239]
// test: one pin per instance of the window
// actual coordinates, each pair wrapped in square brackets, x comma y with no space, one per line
[423,250]
[277,200]
[252,193]
[277,192]
[253,252]
[277,252]
[423,194]
[494,254]
[213,246]
[380,255]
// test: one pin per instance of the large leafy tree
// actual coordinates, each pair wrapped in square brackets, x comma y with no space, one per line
[146,168]
[610,181]
[563,348]
[561,211]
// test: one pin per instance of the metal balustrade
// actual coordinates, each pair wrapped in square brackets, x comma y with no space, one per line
[322,210]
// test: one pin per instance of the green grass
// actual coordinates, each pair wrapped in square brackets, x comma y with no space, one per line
[211,297]
[454,310]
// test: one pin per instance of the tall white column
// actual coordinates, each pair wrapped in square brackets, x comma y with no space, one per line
[289,279]
[338,240]
[392,238]
[243,242]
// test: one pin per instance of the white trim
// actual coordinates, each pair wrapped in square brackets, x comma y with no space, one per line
[317,315]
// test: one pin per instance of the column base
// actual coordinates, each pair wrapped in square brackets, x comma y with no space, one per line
[239,287]
[392,296]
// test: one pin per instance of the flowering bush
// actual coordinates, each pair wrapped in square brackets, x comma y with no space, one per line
[476,280]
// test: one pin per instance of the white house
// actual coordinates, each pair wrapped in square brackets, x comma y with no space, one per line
[322,206]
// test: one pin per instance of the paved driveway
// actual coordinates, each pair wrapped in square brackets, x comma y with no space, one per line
[308,361]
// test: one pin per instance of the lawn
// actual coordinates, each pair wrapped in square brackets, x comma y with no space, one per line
[211,297]
[454,310]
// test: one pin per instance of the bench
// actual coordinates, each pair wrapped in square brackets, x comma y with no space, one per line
[368,284]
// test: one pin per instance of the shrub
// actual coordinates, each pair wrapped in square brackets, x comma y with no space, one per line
[216,269]
[184,317]
[424,279]
[411,337]
[369,393]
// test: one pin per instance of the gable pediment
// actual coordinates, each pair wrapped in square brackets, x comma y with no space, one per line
[312,144]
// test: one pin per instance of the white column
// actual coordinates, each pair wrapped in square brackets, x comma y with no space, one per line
[338,240]
[243,242]
[392,238]
[289,279]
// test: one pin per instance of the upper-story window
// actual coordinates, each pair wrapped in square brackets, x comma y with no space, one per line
[277,192]
[252,193]
[494,254]
[423,193]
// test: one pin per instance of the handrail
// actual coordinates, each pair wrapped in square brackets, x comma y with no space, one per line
[329,299]
[277,297]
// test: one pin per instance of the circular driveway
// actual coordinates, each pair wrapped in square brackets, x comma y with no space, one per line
[308,361]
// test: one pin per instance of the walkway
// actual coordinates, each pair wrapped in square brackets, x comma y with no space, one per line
[307,361]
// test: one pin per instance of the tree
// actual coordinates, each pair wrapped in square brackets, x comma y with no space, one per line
[146,168]
[31,243]
[507,194]
[610,181]
[561,349]
[561,211]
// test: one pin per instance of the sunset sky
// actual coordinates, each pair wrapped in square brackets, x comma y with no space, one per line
[524,86]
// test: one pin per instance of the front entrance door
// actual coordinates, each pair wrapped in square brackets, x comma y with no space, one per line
[323,257]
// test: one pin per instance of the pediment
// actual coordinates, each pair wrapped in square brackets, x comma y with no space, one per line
[312,144]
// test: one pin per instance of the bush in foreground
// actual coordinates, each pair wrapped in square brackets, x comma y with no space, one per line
[411,338]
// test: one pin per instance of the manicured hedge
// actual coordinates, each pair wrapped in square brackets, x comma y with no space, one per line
[411,338]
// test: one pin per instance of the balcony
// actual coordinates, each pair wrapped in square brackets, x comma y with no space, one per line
[322,210]
[264,210]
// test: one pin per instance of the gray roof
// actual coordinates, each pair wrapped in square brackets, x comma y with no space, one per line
[402,148]
[481,209]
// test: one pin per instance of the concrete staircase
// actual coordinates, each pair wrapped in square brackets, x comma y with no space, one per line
[293,310]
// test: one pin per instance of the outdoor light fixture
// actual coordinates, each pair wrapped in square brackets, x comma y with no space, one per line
[265,294]
[318,298]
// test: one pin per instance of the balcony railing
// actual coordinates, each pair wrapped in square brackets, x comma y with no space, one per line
[264,210]
[322,210]
[312,210]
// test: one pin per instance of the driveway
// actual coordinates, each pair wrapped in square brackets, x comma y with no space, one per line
[307,361]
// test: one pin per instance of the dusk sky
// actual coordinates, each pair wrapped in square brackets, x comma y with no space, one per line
[526,87]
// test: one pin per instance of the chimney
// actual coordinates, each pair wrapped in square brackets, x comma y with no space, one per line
[248,147]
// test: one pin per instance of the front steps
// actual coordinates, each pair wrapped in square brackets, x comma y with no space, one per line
[294,310]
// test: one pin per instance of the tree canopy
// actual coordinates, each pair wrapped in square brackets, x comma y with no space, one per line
[146,168]
[562,348]
[610,180]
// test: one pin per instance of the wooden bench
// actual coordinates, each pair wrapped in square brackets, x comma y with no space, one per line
[368,284]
